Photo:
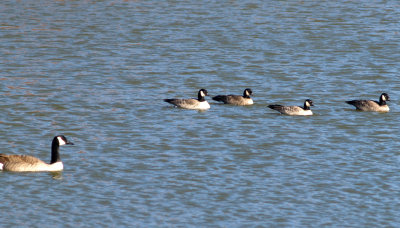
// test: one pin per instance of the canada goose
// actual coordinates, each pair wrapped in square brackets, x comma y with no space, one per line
[200,103]
[372,106]
[236,99]
[26,163]
[294,110]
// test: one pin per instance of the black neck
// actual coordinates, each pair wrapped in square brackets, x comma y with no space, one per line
[245,95]
[306,107]
[381,101]
[55,155]
[200,98]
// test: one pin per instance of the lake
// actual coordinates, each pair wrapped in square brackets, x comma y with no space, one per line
[98,71]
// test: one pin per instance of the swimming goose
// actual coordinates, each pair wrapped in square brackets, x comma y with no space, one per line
[294,110]
[199,104]
[26,163]
[372,106]
[236,99]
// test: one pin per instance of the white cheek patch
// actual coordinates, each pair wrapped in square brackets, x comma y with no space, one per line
[383,98]
[61,141]
[202,93]
[307,104]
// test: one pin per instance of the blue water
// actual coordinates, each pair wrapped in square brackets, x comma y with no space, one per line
[97,71]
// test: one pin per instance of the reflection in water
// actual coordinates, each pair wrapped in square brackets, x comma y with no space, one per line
[56,175]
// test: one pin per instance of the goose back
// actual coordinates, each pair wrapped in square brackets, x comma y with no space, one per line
[23,163]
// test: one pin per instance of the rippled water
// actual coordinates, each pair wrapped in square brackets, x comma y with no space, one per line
[97,71]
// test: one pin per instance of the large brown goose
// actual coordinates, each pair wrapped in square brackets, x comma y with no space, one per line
[372,106]
[236,99]
[27,163]
[199,104]
[294,110]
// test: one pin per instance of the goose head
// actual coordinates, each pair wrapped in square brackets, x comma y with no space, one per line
[202,93]
[308,103]
[247,92]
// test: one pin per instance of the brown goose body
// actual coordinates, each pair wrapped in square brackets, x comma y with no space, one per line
[199,104]
[372,106]
[27,163]
[236,99]
[294,110]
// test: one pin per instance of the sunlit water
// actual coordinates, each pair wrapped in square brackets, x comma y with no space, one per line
[97,71]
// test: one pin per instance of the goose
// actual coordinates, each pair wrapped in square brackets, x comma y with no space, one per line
[236,99]
[294,110]
[27,163]
[372,106]
[199,104]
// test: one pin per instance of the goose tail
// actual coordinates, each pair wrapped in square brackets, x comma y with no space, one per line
[221,98]
[275,107]
[168,100]
[353,102]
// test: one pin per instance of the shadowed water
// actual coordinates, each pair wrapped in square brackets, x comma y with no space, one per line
[97,71]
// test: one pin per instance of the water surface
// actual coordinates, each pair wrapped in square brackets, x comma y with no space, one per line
[97,72]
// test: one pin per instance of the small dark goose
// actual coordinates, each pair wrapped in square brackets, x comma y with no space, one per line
[294,110]
[199,104]
[372,106]
[27,163]
[236,99]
